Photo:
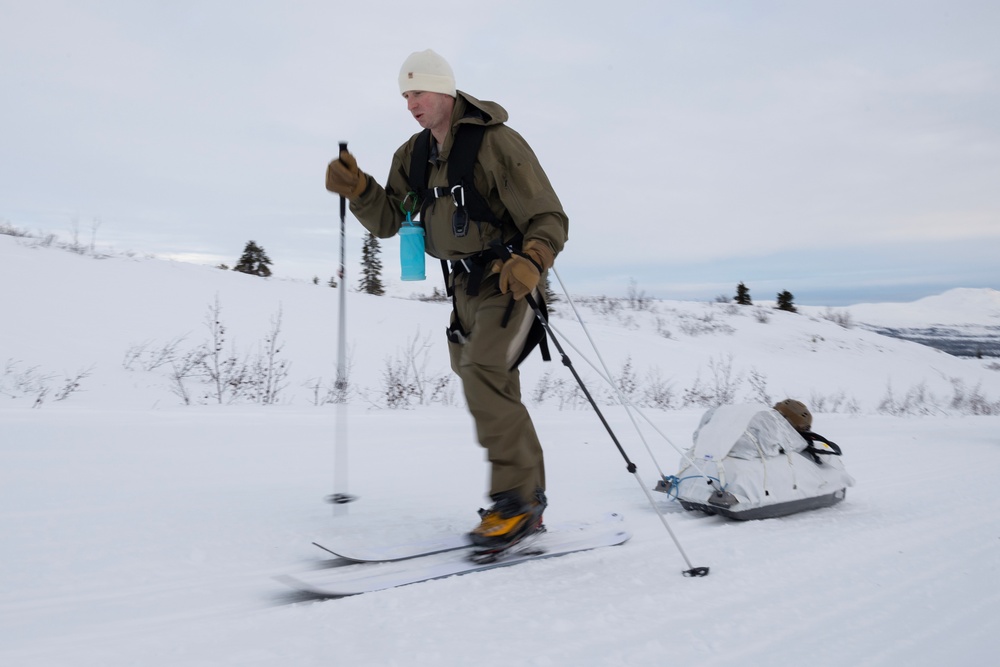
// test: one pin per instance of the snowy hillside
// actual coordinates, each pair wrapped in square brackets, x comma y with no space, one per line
[124,325]
[145,511]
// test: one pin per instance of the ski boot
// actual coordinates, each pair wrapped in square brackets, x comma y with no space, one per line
[506,524]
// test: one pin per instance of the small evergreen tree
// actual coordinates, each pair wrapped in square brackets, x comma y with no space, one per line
[785,302]
[254,261]
[548,293]
[371,267]
[743,295]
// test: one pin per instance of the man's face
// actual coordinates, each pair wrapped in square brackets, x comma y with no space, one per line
[431,110]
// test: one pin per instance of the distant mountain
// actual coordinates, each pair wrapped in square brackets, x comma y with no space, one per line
[963,321]
[962,306]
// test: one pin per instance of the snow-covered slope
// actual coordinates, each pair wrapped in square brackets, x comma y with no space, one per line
[140,531]
[961,306]
[69,314]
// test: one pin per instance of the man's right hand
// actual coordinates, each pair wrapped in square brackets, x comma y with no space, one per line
[344,178]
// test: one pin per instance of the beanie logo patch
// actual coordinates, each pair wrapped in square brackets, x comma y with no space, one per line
[409,75]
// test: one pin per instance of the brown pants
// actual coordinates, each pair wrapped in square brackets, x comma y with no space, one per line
[493,390]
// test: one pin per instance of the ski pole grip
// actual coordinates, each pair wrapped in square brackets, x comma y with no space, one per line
[343,200]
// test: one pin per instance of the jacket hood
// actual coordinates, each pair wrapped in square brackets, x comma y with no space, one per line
[470,110]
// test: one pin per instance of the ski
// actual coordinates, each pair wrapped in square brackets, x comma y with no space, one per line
[365,578]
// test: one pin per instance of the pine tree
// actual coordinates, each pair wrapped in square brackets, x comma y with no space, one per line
[549,294]
[785,302]
[743,295]
[254,261]
[371,267]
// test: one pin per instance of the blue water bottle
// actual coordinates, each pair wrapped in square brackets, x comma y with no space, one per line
[411,250]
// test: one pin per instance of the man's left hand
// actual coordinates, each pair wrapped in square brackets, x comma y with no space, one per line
[520,274]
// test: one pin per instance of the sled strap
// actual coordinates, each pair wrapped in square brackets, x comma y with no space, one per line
[816,452]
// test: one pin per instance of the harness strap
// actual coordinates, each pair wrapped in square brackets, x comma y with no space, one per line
[461,170]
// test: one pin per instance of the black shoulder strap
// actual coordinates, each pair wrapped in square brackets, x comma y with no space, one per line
[418,162]
[461,170]
[464,151]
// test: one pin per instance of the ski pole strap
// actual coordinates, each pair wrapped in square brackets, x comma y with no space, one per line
[343,199]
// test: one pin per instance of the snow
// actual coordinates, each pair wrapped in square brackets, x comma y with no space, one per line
[140,531]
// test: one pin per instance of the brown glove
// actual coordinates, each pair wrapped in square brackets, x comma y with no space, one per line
[520,274]
[344,178]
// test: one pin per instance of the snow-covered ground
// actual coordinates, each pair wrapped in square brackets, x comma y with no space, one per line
[137,530]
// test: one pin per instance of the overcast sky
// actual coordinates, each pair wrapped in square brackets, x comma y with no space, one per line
[845,151]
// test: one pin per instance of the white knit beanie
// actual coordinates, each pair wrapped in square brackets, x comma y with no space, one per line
[426,70]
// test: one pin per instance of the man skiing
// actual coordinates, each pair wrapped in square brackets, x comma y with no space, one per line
[500,228]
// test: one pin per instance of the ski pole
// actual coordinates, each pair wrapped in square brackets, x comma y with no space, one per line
[692,571]
[340,496]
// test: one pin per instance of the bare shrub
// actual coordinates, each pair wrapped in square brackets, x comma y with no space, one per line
[226,374]
[567,393]
[185,366]
[916,401]
[719,390]
[436,296]
[837,402]
[7,229]
[32,382]
[657,392]
[145,357]
[546,387]
[16,383]
[694,325]
[603,305]
[758,386]
[626,384]
[841,318]
[731,309]
[972,401]
[209,373]
[268,371]
[761,314]
[406,380]
[335,391]
[661,328]
[71,384]
[637,298]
